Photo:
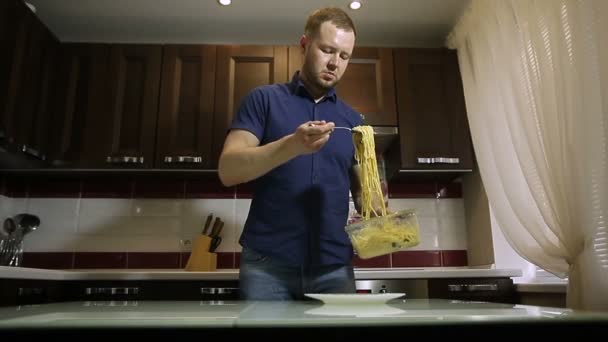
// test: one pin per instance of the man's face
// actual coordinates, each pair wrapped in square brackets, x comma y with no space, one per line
[326,56]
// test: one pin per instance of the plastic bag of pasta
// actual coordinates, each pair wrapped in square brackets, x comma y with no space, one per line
[384,234]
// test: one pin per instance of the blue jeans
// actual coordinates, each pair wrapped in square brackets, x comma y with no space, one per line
[263,278]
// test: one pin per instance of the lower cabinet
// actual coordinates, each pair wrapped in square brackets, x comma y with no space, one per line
[23,291]
[499,290]
[28,291]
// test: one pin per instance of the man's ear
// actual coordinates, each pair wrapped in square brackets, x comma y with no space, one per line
[303,42]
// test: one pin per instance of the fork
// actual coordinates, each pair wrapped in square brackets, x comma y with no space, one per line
[346,128]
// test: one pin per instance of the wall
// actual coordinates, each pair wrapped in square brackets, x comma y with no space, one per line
[146,222]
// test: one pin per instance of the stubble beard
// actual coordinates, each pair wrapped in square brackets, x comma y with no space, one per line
[316,82]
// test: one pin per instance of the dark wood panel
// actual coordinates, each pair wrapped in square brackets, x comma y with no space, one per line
[432,118]
[184,129]
[461,134]
[15,27]
[239,70]
[368,85]
[129,128]
[80,96]
[33,100]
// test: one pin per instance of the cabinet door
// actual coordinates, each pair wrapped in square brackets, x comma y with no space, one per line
[368,85]
[186,107]
[126,132]
[239,70]
[33,99]
[15,24]
[79,96]
[432,119]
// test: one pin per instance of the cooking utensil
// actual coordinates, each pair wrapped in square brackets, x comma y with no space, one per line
[346,128]
[27,223]
[8,228]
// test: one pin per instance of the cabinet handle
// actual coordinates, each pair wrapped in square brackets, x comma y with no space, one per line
[124,160]
[32,152]
[472,287]
[184,159]
[438,160]
[112,290]
[218,290]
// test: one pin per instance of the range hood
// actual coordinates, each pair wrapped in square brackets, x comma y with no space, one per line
[384,137]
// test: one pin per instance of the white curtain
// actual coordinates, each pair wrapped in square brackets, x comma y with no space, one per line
[535,75]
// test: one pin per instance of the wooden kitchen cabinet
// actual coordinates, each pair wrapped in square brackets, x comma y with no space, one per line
[239,70]
[34,98]
[79,97]
[433,127]
[15,24]
[123,132]
[184,131]
[368,85]
[28,73]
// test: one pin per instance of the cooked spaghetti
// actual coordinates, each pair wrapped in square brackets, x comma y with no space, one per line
[365,154]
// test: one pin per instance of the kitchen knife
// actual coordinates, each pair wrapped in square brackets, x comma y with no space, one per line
[216,225]
[207,224]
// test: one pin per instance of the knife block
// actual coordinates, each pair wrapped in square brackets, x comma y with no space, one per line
[201,259]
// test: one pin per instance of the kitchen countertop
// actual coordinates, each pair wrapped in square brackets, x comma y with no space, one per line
[399,312]
[232,274]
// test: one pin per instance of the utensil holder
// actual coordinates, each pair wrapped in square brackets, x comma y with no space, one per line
[11,251]
[201,260]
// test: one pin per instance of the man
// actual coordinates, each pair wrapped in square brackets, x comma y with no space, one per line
[282,139]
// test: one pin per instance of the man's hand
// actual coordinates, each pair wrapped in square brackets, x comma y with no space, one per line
[311,136]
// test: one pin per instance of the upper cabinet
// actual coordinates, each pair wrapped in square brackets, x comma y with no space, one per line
[169,106]
[433,127]
[28,71]
[368,85]
[126,131]
[184,130]
[239,70]
[79,97]
[15,25]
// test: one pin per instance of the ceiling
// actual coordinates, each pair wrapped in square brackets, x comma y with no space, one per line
[391,23]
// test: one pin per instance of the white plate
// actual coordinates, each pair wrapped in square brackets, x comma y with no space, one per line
[358,299]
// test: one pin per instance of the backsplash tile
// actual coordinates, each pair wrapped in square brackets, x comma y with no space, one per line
[156,221]
[101,260]
[108,188]
[159,188]
[58,261]
[416,259]
[153,260]
[454,258]
[209,188]
[377,262]
[15,187]
[54,189]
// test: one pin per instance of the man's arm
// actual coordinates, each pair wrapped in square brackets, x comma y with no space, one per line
[243,159]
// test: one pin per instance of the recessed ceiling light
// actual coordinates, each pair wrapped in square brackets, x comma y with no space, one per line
[355,5]
[224,2]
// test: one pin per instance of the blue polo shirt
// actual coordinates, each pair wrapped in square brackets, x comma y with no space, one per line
[300,208]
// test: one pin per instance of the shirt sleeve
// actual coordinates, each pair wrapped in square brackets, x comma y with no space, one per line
[251,115]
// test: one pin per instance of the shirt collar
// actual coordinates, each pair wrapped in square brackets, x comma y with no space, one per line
[297,88]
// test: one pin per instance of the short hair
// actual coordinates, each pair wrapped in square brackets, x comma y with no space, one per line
[332,14]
